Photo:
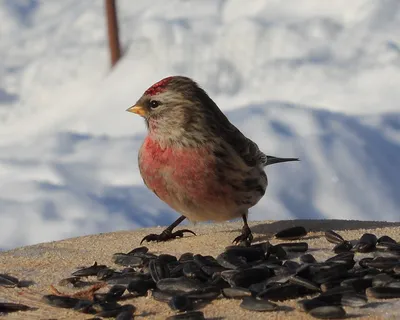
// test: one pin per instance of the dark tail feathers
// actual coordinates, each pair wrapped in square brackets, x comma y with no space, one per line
[272,160]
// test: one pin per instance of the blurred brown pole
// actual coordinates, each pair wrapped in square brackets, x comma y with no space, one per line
[113,37]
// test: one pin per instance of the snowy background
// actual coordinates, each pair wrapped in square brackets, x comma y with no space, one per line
[315,79]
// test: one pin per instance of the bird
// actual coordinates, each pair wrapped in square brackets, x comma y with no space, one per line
[195,160]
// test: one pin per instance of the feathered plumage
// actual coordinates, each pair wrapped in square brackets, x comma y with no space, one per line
[195,159]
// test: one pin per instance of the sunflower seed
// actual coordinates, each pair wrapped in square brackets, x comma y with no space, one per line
[60,301]
[383,263]
[366,243]
[125,315]
[181,303]
[254,304]
[236,293]
[335,272]
[247,277]
[193,271]
[138,251]
[140,286]
[304,283]
[294,247]
[72,282]
[388,247]
[343,258]
[309,304]
[292,266]
[281,292]
[114,311]
[364,262]
[328,312]
[179,285]
[383,292]
[115,292]
[337,291]
[329,285]
[7,307]
[8,281]
[397,269]
[84,306]
[231,261]
[207,293]
[381,280]
[89,271]
[394,284]
[344,246]
[186,257]
[279,252]
[265,247]
[353,300]
[293,233]
[105,273]
[386,239]
[158,270]
[333,237]
[128,260]
[359,285]
[162,296]
[307,258]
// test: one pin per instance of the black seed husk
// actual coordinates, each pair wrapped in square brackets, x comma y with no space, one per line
[89,271]
[333,237]
[328,312]
[236,293]
[7,307]
[181,303]
[293,233]
[294,247]
[261,305]
[128,260]
[60,301]
[383,292]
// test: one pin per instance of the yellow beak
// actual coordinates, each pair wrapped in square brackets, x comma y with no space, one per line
[138,110]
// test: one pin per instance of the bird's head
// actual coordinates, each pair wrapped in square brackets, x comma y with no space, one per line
[175,109]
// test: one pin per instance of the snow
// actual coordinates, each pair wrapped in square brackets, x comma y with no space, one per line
[313,79]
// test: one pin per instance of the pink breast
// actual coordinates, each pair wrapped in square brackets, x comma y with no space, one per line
[188,171]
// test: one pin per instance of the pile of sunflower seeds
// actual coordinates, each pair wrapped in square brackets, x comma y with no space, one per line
[9,281]
[258,275]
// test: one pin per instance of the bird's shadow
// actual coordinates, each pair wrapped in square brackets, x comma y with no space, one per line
[266,231]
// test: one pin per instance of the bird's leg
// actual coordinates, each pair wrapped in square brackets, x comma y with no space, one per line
[246,236]
[167,234]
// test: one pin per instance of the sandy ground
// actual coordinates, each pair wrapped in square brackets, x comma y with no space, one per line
[47,263]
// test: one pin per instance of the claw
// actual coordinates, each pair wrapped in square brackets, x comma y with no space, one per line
[150,237]
[246,237]
[166,235]
[180,233]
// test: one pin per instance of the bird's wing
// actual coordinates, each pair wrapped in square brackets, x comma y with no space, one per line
[247,149]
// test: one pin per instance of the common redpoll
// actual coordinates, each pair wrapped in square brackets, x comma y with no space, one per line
[195,160]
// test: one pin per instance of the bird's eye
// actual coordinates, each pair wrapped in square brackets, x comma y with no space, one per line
[154,104]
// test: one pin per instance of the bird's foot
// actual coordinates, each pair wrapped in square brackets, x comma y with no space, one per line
[245,238]
[166,235]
